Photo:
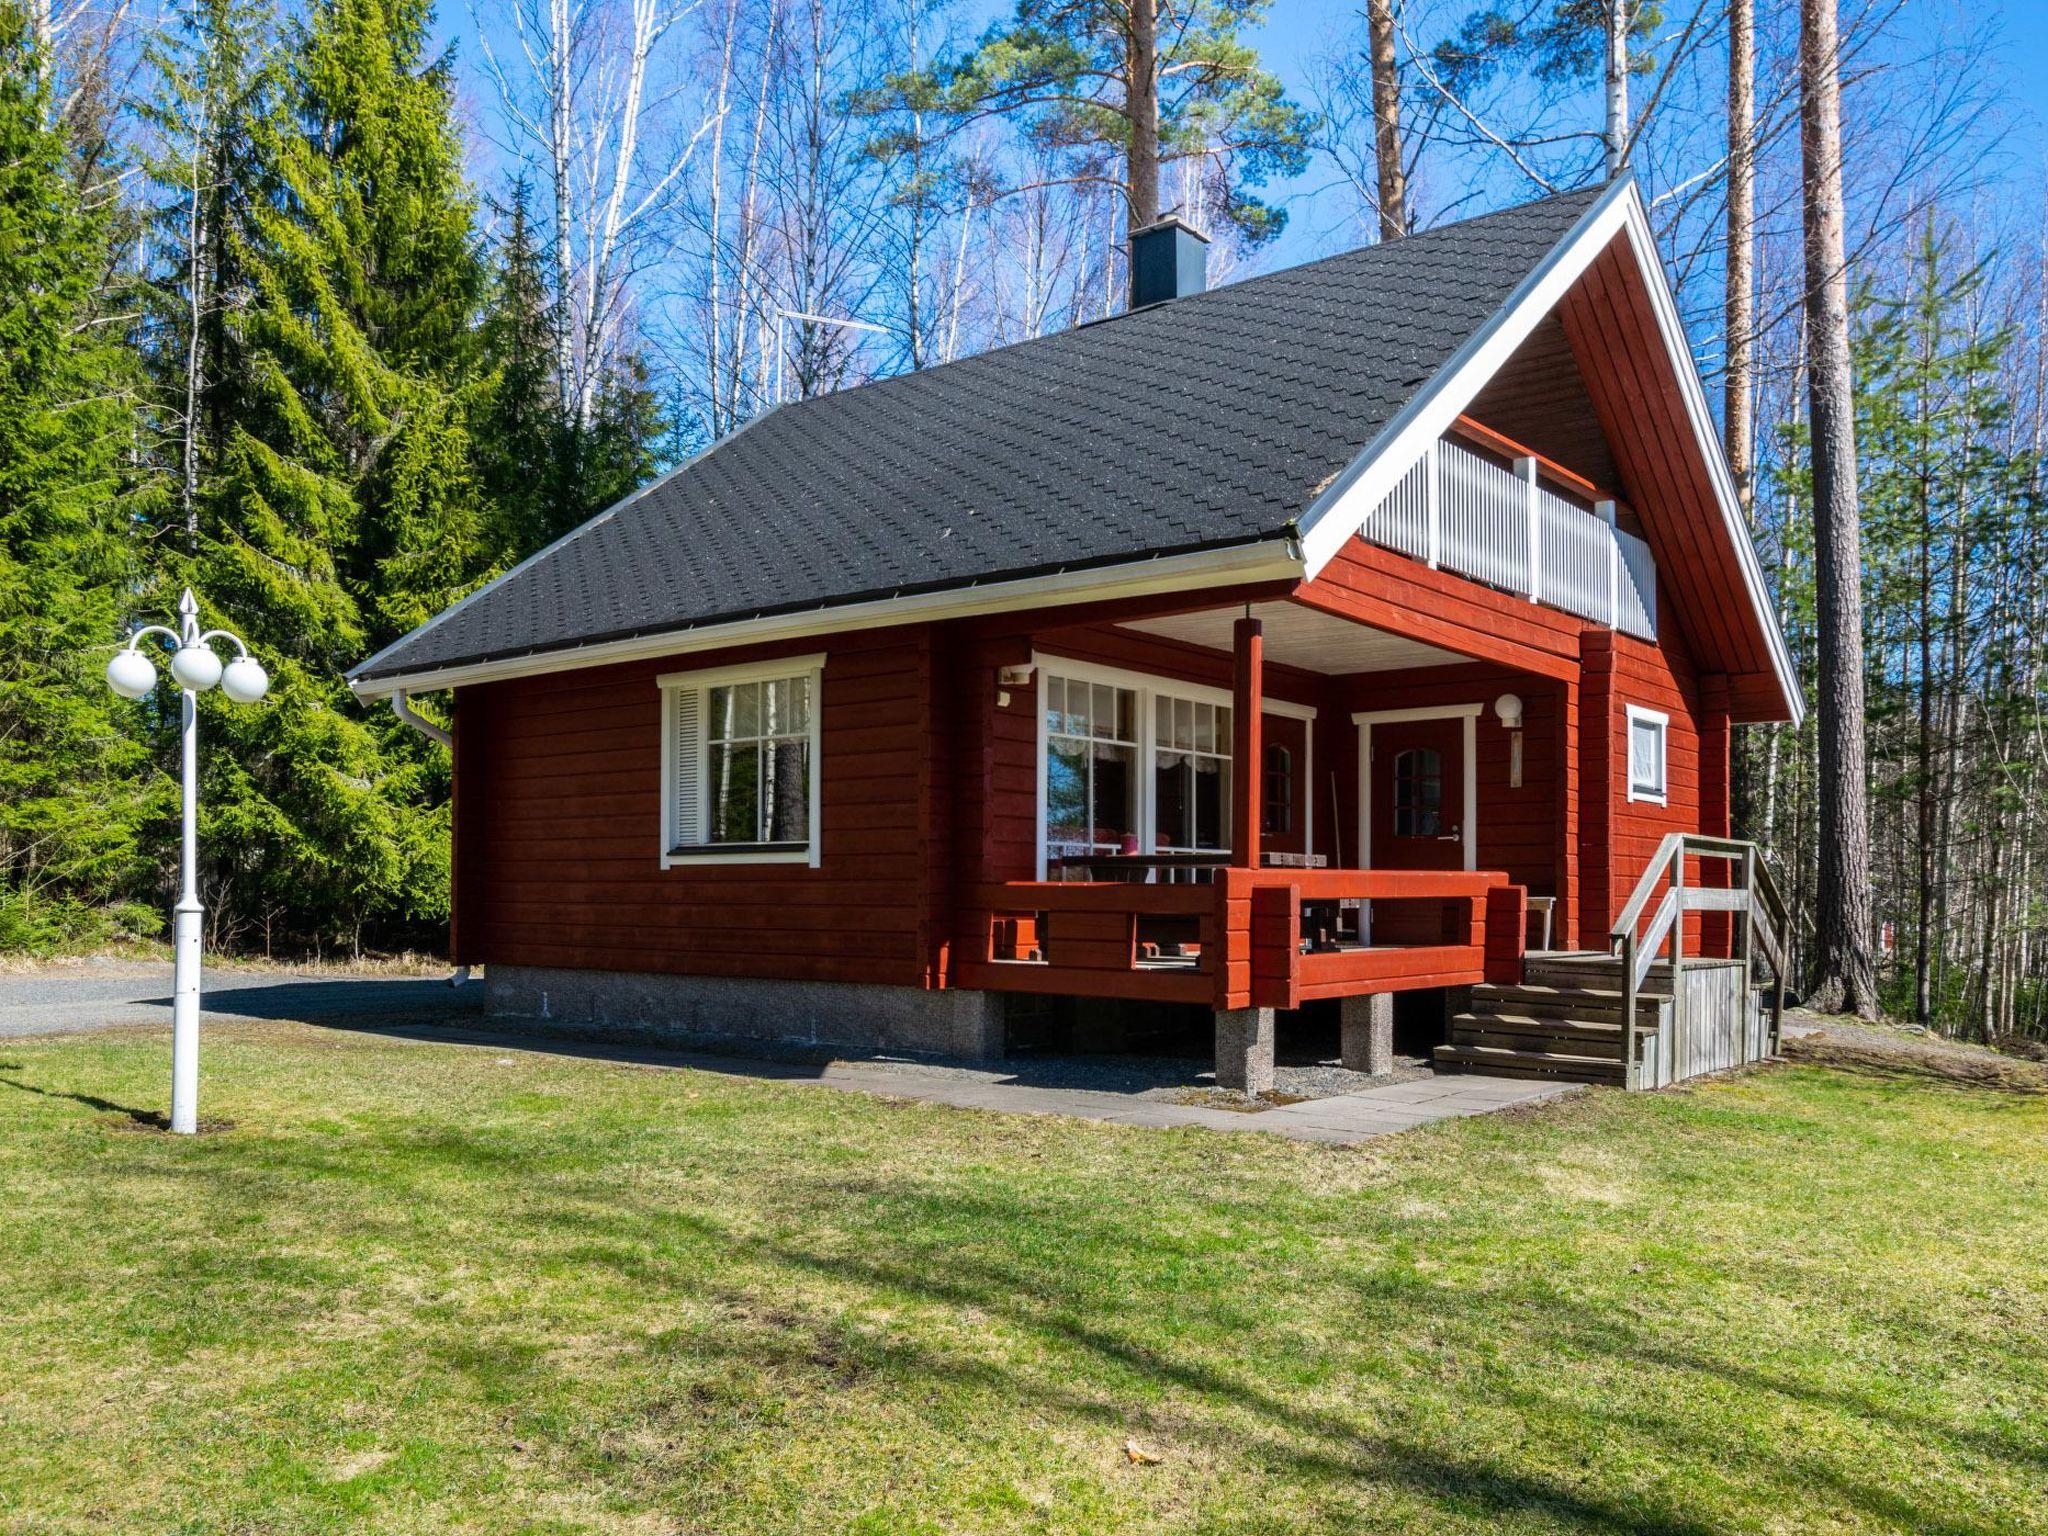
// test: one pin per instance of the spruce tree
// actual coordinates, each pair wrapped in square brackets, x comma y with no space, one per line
[72,791]
[523,445]
[346,509]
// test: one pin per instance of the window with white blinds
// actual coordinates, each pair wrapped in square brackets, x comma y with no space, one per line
[739,763]
[1648,734]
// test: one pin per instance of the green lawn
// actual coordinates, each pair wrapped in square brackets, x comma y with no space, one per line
[432,1288]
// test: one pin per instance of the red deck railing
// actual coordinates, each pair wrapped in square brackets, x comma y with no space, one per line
[1267,938]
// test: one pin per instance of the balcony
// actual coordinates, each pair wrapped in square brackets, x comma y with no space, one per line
[1527,527]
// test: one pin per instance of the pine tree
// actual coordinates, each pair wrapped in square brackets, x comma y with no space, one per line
[1844,973]
[622,449]
[72,793]
[1143,83]
[346,509]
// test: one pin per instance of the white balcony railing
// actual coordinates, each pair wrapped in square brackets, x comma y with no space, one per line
[1460,511]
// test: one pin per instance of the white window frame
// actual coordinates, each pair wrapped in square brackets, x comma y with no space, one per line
[1148,687]
[1660,793]
[675,850]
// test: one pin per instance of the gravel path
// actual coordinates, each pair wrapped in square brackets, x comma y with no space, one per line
[65,999]
[97,994]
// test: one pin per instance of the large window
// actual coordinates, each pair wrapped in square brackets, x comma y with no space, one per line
[739,763]
[1137,764]
[1648,736]
[1190,775]
[1091,768]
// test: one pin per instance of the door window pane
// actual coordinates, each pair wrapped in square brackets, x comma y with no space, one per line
[1418,793]
[1277,816]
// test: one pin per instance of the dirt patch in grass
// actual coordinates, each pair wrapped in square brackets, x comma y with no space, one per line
[1241,1103]
[1897,1052]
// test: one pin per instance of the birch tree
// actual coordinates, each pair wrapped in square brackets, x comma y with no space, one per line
[595,93]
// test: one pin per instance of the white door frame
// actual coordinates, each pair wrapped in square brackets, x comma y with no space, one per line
[1366,719]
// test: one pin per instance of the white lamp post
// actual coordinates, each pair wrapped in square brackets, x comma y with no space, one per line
[195,668]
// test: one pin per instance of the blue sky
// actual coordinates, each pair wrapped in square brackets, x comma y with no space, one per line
[1297,30]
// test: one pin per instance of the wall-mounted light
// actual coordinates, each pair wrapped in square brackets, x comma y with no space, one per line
[1015,676]
[1509,707]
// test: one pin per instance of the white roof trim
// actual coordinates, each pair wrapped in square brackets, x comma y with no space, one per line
[1341,510]
[372,690]
[1269,560]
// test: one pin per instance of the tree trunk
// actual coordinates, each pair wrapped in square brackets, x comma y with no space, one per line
[196,237]
[1617,86]
[1844,978]
[1142,106]
[1386,120]
[1739,317]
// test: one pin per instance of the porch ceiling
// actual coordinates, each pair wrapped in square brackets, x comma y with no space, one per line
[1303,637]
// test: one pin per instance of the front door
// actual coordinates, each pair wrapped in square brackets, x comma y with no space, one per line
[1417,802]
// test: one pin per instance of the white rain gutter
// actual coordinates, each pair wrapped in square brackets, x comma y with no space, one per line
[401,706]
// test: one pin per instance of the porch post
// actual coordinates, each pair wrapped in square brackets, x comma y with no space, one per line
[1247,756]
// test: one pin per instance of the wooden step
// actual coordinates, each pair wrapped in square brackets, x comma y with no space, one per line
[1548,971]
[1498,1061]
[1522,1033]
[1546,1001]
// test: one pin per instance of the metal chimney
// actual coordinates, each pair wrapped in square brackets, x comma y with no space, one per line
[1169,260]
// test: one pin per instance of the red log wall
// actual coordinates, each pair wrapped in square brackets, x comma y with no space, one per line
[558,829]
[929,785]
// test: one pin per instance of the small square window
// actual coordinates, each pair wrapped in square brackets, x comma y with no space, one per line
[1648,737]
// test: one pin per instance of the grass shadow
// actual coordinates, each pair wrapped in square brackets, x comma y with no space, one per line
[153,1119]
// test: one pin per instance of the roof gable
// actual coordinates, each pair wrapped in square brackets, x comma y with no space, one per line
[1606,284]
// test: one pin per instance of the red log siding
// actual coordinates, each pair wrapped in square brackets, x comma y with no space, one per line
[1539,398]
[929,786]
[1621,671]
[559,863]
[1395,592]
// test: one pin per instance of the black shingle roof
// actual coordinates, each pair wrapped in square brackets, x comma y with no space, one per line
[1209,421]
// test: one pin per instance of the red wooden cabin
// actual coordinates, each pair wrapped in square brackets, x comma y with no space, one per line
[1371,627]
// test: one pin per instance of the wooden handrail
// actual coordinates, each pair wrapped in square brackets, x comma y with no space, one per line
[1756,903]
[1486,437]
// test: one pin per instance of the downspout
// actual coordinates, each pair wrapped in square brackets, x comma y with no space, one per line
[401,706]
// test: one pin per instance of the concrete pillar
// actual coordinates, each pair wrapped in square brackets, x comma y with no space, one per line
[978,1024]
[1244,1049]
[1369,1033]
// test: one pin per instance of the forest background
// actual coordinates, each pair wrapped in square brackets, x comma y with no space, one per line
[332,309]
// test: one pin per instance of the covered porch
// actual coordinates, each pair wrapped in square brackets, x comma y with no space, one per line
[1269,863]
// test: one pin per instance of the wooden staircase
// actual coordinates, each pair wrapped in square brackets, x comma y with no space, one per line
[1563,1021]
[1642,1014]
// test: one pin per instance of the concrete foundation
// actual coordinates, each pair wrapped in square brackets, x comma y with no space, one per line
[1368,1024]
[1244,1049]
[662,1009]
